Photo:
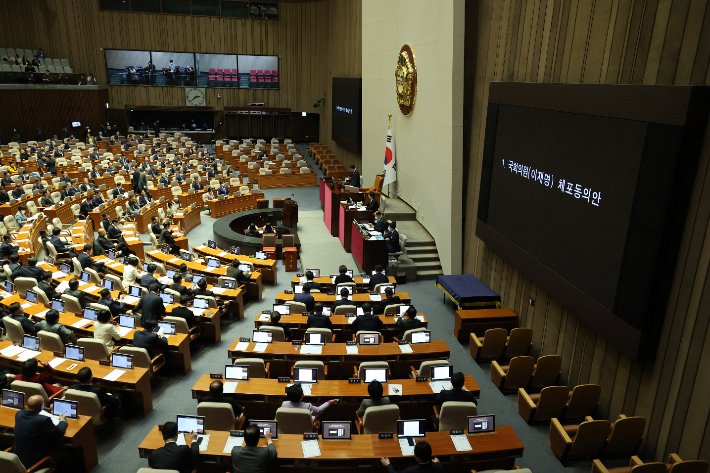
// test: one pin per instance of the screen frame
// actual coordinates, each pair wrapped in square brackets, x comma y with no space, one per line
[353,83]
[402,421]
[274,431]
[177,421]
[349,437]
[468,424]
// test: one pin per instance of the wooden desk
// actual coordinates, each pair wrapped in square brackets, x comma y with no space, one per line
[63,212]
[496,450]
[276,181]
[326,283]
[331,205]
[143,219]
[135,382]
[188,218]
[283,355]
[478,321]
[232,204]
[262,397]
[358,299]
[79,434]
[368,253]
[267,267]
[347,215]
[109,209]
[187,200]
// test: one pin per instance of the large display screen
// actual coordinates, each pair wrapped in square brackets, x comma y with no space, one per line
[346,112]
[584,189]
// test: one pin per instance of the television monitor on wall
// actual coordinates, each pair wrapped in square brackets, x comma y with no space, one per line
[346,112]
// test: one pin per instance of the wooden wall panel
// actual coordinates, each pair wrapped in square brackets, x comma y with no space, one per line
[614,42]
[314,39]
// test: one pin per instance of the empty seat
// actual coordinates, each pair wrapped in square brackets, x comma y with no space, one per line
[453,415]
[543,407]
[519,342]
[490,346]
[583,401]
[294,421]
[378,419]
[219,416]
[514,376]
[257,367]
[674,465]
[585,439]
[547,371]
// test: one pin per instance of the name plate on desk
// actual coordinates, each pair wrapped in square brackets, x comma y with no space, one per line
[284,380]
[215,375]
[422,379]
[241,339]
[296,342]
[310,436]
[354,380]
[288,292]
[457,432]
[58,354]
[236,433]
[264,312]
[350,343]
[104,363]
[331,293]
[299,275]
[386,435]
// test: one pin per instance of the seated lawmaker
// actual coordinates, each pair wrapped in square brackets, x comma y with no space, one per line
[458,391]
[306,298]
[105,330]
[87,261]
[178,287]
[367,321]
[310,283]
[29,373]
[343,276]
[217,395]
[251,458]
[149,339]
[373,205]
[7,248]
[73,290]
[115,307]
[294,393]
[317,319]
[185,313]
[60,245]
[409,322]
[344,293]
[236,273]
[16,313]
[148,278]
[378,278]
[45,283]
[29,271]
[108,400]
[392,238]
[376,399]
[390,299]
[275,321]
[422,455]
[51,324]
[380,223]
[173,456]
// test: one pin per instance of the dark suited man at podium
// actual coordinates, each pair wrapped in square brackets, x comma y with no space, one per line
[354,176]
[373,205]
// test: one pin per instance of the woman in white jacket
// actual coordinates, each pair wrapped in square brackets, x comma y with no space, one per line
[130,273]
[104,330]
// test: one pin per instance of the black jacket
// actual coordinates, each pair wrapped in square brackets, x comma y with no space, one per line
[380,309]
[36,436]
[86,261]
[100,392]
[28,272]
[185,313]
[174,457]
[79,295]
[458,395]
[151,307]
[319,321]
[405,323]
[378,278]
[148,340]
[312,285]
[105,244]
[368,322]
[180,288]
[227,400]
[305,299]
[341,278]
[6,249]
[48,290]
[116,308]
[27,325]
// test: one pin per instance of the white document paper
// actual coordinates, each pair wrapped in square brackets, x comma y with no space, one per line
[27,305]
[406,349]
[41,314]
[114,265]
[420,318]
[224,253]
[311,349]
[12,350]
[438,386]
[81,323]
[219,290]
[27,354]
[91,288]
[233,442]
[198,312]
[351,349]
[113,375]
[55,419]
[165,280]
[130,299]
[199,247]
[242,346]
[461,443]
[310,448]
[56,362]
[62,286]
[394,389]
[407,450]
[260,347]
[351,320]
[230,387]
[173,260]
[264,318]
[124,330]
[59,275]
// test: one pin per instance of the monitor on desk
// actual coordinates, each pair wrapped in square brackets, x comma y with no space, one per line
[327,311]
[420,337]
[135,291]
[186,256]
[199,303]
[262,336]
[213,263]
[108,284]
[283,309]
[188,424]
[359,311]
[65,268]
[13,399]
[30,296]
[298,289]
[384,287]
[234,250]
[67,408]
[165,249]
[145,267]
[305,375]
[441,373]
[73,352]
[30,342]
[266,426]
[411,428]
[197,278]
[349,288]
[170,273]
[316,272]
[111,254]
[229,283]
[121,360]
[85,277]
[349,272]
[336,430]
[368,339]
[211,245]
[375,374]
[127,321]
[238,372]
[245,268]
[168,298]
[315,338]
[58,306]
[90,313]
[9,287]
[402,309]
[481,424]
[260,255]
[168,328]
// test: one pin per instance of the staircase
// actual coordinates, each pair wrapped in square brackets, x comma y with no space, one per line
[422,254]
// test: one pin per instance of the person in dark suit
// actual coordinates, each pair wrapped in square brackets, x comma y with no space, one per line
[173,456]
[17,193]
[164,180]
[197,185]
[45,284]
[310,283]
[60,245]
[15,258]
[29,271]
[87,261]
[236,273]
[7,181]
[145,198]
[36,436]
[354,176]
[72,190]
[16,313]
[97,199]
[390,299]
[425,463]
[306,298]
[392,238]
[203,291]
[45,200]
[113,232]
[7,248]
[151,305]
[367,321]
[380,224]
[378,278]
[4,198]
[458,391]
[118,191]
[342,277]
[250,458]
[103,241]
[222,189]
[184,312]
[73,290]
[148,338]
[275,321]
[217,395]
[105,222]
[86,207]
[149,278]
[115,307]
[372,205]
[94,174]
[85,186]
[111,401]
[344,293]
[317,319]
[178,287]
[409,322]
[166,237]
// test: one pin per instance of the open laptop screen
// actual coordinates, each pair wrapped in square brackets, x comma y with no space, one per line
[375,374]
[411,428]
[421,337]
[333,430]
[305,375]
[187,424]
[481,424]
[240,372]
[266,426]
[13,399]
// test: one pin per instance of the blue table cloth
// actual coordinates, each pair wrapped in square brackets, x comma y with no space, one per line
[467,292]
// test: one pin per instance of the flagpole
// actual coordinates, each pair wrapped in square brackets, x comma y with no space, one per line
[389,125]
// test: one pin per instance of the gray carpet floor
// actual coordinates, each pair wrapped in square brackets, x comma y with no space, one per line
[118,440]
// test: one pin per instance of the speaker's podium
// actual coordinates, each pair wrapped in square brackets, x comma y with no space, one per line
[289,214]
[289,252]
